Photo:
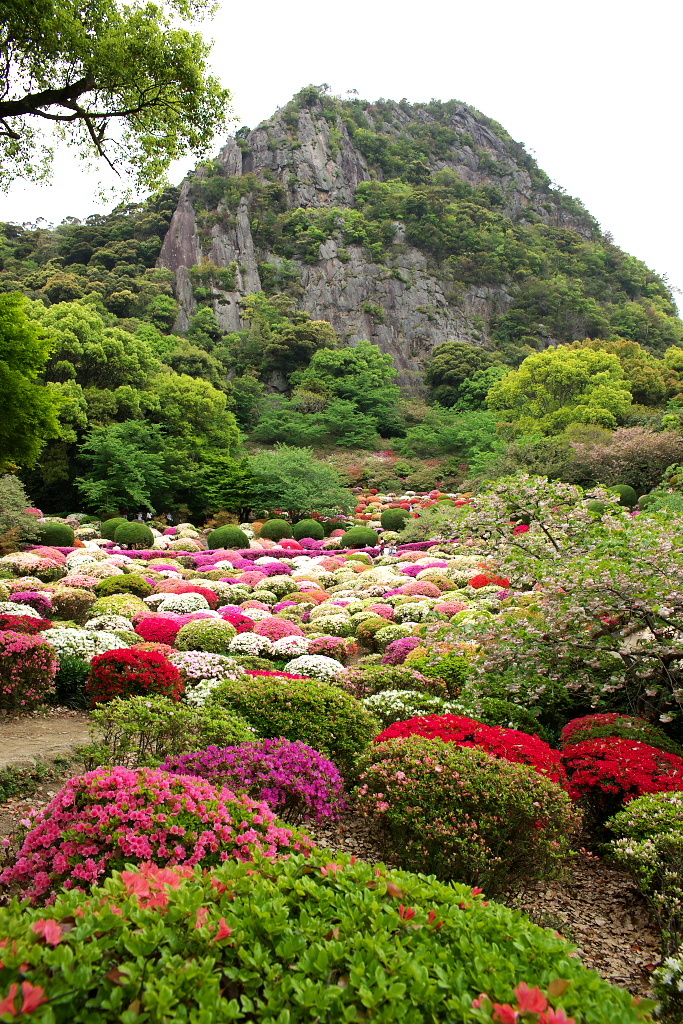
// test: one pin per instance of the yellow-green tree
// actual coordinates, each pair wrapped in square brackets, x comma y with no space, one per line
[560,386]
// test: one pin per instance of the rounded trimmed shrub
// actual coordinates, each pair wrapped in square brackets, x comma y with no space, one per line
[110,526]
[275,529]
[394,519]
[294,780]
[105,819]
[627,496]
[230,537]
[448,946]
[368,679]
[132,672]
[307,528]
[597,507]
[129,584]
[318,714]
[212,635]
[28,665]
[359,537]
[134,535]
[56,535]
[462,815]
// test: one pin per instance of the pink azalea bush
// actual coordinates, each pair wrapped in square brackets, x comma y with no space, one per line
[295,780]
[276,629]
[28,665]
[397,651]
[36,599]
[105,819]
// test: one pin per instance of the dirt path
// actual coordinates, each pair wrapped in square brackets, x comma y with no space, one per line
[23,740]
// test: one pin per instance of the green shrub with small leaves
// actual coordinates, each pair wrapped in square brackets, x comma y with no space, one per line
[307,528]
[276,529]
[319,714]
[359,537]
[128,584]
[134,535]
[110,526]
[144,731]
[56,535]
[292,939]
[230,537]
[394,519]
[212,635]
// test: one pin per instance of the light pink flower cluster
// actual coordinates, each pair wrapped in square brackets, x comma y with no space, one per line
[113,816]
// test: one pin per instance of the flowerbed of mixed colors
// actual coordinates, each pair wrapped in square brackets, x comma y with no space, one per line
[477,692]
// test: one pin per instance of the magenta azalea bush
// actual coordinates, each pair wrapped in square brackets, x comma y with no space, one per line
[105,819]
[28,665]
[294,779]
[397,651]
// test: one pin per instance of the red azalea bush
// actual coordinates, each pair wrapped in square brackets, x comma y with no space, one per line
[630,727]
[24,623]
[105,819]
[606,773]
[159,629]
[483,579]
[242,623]
[131,672]
[28,665]
[508,744]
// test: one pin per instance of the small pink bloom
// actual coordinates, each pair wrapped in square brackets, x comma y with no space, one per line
[33,995]
[202,917]
[530,1000]
[504,1014]
[223,932]
[49,929]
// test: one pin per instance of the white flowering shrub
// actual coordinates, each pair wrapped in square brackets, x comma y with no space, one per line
[291,646]
[251,644]
[82,643]
[334,625]
[15,608]
[416,611]
[668,986]
[399,705]
[316,666]
[197,665]
[109,622]
[183,603]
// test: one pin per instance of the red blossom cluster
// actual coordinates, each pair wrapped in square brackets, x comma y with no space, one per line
[508,744]
[24,623]
[484,579]
[159,629]
[619,768]
[132,672]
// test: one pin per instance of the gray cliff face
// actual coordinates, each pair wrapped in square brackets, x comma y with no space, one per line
[406,309]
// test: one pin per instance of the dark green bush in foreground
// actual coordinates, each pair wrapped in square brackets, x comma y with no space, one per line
[293,940]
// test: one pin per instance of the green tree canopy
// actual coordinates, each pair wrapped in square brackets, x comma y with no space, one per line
[126,83]
[292,480]
[125,467]
[452,364]
[363,375]
[28,409]
[563,385]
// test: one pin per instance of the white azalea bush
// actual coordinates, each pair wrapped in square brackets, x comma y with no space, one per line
[317,666]
[82,643]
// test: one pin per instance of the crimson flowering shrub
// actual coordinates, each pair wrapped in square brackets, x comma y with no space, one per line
[159,629]
[606,773]
[241,622]
[456,812]
[484,579]
[24,623]
[593,727]
[132,673]
[28,665]
[295,780]
[509,744]
[105,819]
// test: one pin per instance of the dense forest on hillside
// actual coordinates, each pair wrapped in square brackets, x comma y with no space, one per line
[583,360]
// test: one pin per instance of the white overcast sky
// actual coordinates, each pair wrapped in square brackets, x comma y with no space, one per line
[591,87]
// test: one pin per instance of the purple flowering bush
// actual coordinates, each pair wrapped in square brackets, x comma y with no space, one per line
[295,780]
[28,665]
[396,652]
[40,602]
[105,819]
